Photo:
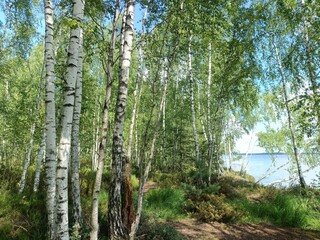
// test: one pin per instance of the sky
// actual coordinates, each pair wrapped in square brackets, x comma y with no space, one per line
[248,143]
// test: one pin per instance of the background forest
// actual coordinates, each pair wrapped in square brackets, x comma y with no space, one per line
[98,97]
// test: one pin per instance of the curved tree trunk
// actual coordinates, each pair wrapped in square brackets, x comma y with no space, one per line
[75,145]
[290,122]
[50,121]
[103,142]
[67,118]
[39,161]
[144,176]
[117,228]
[32,130]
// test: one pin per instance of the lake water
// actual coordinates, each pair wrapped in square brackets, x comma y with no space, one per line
[274,168]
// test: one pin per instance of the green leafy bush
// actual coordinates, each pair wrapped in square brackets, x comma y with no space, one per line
[153,230]
[209,208]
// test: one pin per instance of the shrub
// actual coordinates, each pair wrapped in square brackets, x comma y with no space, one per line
[209,208]
[153,230]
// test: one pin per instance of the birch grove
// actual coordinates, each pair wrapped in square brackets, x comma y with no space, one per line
[147,102]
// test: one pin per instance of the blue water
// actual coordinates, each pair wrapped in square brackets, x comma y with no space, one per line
[260,165]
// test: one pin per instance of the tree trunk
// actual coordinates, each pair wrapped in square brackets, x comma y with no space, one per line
[50,121]
[39,161]
[290,122]
[103,142]
[193,112]
[67,119]
[144,176]
[95,147]
[117,228]
[75,145]
[210,138]
[310,66]
[32,130]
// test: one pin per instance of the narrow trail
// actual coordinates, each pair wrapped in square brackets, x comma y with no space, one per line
[193,229]
[149,186]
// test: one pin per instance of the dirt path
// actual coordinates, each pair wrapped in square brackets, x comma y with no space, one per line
[205,231]
[149,186]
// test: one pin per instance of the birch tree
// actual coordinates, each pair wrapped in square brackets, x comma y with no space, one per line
[192,102]
[289,116]
[50,119]
[117,228]
[75,144]
[105,127]
[66,122]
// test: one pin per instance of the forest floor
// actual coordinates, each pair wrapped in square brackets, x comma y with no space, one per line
[193,229]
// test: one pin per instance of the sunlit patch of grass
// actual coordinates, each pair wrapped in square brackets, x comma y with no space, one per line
[165,203]
[281,209]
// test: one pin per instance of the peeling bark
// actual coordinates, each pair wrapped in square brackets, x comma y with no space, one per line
[117,228]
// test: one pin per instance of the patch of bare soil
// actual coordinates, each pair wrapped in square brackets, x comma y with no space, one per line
[149,186]
[193,229]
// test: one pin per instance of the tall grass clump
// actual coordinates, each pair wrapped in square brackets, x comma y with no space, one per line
[165,203]
[281,209]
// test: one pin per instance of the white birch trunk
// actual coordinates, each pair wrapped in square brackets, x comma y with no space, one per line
[67,118]
[41,153]
[210,137]
[32,130]
[117,229]
[290,121]
[50,121]
[193,112]
[144,176]
[75,144]
[103,143]
[95,147]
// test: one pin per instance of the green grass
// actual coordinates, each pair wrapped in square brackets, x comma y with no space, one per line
[22,216]
[282,209]
[165,203]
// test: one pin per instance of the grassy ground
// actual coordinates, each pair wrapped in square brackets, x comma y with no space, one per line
[231,200]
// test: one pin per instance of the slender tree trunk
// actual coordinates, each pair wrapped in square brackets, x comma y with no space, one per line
[75,144]
[134,113]
[144,176]
[193,112]
[67,119]
[95,147]
[290,121]
[310,66]
[50,121]
[41,153]
[117,228]
[210,137]
[32,130]
[103,142]
[200,115]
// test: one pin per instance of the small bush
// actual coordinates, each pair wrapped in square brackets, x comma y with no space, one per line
[166,179]
[154,230]
[209,208]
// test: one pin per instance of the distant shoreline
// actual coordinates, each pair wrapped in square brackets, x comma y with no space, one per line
[280,153]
